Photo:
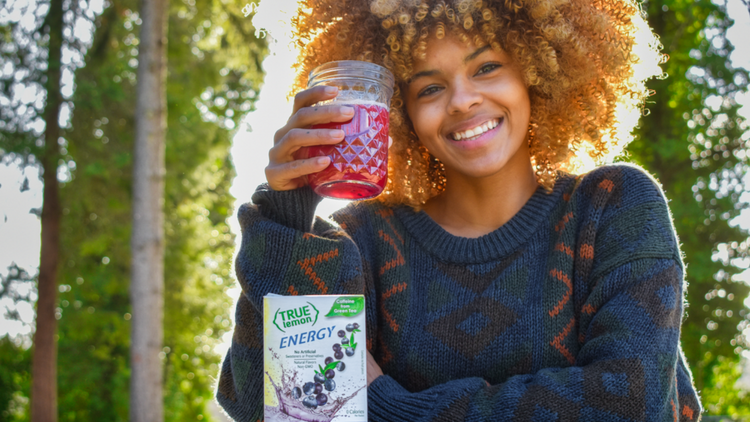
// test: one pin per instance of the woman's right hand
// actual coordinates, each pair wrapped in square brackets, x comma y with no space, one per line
[284,172]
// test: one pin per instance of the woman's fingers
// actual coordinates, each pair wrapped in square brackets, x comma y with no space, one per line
[283,151]
[312,96]
[373,369]
[285,171]
[317,115]
[288,176]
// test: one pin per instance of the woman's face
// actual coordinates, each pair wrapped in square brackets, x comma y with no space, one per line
[470,108]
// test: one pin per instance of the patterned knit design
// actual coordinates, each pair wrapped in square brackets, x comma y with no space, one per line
[571,311]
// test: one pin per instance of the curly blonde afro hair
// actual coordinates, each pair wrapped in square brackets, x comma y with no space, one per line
[584,62]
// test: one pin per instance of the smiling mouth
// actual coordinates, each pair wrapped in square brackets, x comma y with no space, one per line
[474,133]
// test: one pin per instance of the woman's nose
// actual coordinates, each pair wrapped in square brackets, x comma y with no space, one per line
[464,97]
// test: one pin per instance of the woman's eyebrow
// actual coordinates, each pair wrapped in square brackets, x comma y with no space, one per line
[421,74]
[467,59]
[476,54]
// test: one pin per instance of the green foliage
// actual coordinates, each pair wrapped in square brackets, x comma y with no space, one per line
[723,398]
[214,71]
[213,59]
[698,152]
[15,381]
[696,144]
[27,66]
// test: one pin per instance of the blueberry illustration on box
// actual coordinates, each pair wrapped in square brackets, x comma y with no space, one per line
[315,370]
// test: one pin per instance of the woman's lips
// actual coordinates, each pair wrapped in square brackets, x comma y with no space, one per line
[475,131]
[477,141]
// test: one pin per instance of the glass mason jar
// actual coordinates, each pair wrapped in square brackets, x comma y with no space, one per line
[359,163]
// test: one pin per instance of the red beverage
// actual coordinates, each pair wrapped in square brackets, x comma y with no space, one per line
[359,164]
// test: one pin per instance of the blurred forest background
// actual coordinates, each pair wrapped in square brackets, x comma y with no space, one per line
[693,138]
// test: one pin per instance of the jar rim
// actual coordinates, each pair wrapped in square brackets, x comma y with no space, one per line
[346,69]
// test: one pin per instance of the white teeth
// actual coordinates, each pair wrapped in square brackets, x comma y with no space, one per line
[471,133]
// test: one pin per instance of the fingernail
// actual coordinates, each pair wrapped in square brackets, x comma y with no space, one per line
[336,133]
[346,110]
[323,160]
[330,90]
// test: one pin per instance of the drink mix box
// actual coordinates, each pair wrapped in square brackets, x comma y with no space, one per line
[315,358]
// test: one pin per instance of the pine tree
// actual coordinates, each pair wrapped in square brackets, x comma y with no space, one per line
[213,76]
[32,60]
[147,238]
[695,142]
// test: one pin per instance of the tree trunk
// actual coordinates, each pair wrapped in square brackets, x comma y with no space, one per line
[147,242]
[44,363]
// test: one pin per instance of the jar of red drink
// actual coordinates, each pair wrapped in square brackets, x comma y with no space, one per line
[359,164]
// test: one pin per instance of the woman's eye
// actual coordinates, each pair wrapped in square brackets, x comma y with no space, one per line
[486,68]
[427,91]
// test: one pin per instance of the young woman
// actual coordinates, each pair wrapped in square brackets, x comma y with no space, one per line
[500,285]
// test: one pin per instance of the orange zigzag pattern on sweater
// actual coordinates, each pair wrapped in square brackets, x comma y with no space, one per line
[399,260]
[393,290]
[307,265]
[687,411]
[560,247]
[557,342]
[588,309]
[388,318]
[386,214]
[564,278]
[388,293]
[587,251]
[564,221]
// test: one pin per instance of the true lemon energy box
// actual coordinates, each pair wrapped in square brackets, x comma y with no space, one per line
[315,358]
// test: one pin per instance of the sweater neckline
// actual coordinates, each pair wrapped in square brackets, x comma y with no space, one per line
[491,246]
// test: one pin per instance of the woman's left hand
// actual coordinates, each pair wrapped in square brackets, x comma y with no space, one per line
[373,369]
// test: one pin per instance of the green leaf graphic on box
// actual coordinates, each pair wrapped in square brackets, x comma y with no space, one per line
[331,365]
[316,312]
[347,306]
[351,344]
[274,321]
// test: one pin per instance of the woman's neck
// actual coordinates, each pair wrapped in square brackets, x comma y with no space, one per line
[471,207]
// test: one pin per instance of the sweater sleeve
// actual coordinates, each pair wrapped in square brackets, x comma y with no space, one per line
[629,368]
[283,251]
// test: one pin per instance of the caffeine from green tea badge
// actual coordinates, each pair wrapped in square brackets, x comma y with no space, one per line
[348,306]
